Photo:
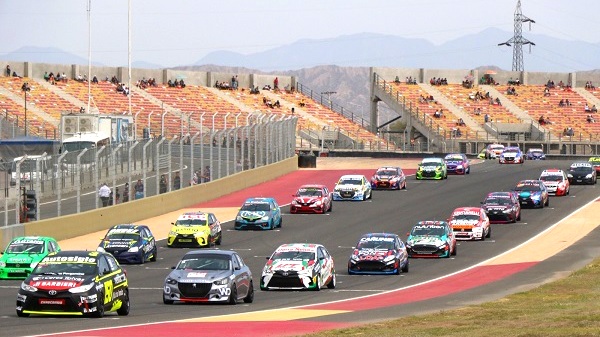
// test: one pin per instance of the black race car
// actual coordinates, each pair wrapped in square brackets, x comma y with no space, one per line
[582,173]
[130,243]
[75,283]
[379,253]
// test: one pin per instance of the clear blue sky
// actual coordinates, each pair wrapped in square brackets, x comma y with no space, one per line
[180,32]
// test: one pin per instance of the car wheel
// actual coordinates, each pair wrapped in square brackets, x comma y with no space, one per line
[99,307]
[233,295]
[209,241]
[405,267]
[404,185]
[142,257]
[489,233]
[330,206]
[280,222]
[398,269]
[319,281]
[154,254]
[469,170]
[22,314]
[519,217]
[548,202]
[250,296]
[370,194]
[125,306]
[220,239]
[454,250]
[331,284]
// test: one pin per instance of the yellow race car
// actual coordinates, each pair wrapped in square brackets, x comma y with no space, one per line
[195,229]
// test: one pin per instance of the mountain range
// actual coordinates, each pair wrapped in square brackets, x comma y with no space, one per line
[342,64]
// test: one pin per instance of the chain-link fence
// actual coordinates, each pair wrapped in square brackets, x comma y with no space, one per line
[72,182]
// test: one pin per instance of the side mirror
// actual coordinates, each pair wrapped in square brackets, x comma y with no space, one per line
[481,202]
[173,267]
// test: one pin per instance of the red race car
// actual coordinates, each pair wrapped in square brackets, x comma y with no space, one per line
[470,223]
[556,181]
[312,199]
[388,177]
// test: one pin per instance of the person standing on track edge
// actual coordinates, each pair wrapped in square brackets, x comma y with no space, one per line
[176,181]
[126,193]
[104,194]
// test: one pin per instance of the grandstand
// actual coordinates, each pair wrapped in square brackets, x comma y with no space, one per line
[174,111]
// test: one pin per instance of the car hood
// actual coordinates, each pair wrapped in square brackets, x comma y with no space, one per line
[386,177]
[492,207]
[435,240]
[371,254]
[21,258]
[205,276]
[189,229]
[290,265]
[118,243]
[57,282]
[464,223]
[253,215]
[348,187]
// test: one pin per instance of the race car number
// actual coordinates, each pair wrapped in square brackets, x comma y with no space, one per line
[108,291]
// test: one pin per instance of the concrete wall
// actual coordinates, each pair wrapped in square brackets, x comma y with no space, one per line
[70,226]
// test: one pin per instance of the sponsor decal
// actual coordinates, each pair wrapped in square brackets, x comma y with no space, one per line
[196,275]
[51,301]
[224,291]
[75,259]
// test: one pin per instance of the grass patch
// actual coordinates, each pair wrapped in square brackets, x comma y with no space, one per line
[567,307]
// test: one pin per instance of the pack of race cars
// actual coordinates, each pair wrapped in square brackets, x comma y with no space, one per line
[93,283]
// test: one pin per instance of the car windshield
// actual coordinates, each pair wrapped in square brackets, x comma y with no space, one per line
[204,262]
[386,173]
[536,152]
[454,159]
[528,188]
[497,201]
[497,148]
[349,181]
[293,255]
[430,164]
[581,169]
[20,247]
[256,207]
[123,236]
[428,231]
[465,217]
[309,192]
[62,268]
[551,178]
[375,244]
[190,222]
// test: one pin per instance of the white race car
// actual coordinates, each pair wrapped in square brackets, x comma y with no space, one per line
[352,187]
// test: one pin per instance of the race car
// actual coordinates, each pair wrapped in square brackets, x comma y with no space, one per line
[431,239]
[195,229]
[511,155]
[24,253]
[493,151]
[299,266]
[532,193]
[502,207]
[432,168]
[582,173]
[457,163]
[470,223]
[88,283]
[130,243]
[379,253]
[388,178]
[259,213]
[556,182]
[312,199]
[209,275]
[595,161]
[352,187]
[535,154]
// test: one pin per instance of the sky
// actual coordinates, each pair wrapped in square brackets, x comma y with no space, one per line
[180,32]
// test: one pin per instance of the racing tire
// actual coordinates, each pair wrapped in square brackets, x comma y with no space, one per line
[126,306]
[489,233]
[318,285]
[398,269]
[166,301]
[220,239]
[331,284]
[371,195]
[404,185]
[454,250]
[209,243]
[469,170]
[280,222]
[364,197]
[330,206]
[547,202]
[233,295]
[154,254]
[519,217]
[22,314]
[142,257]
[99,307]
[405,268]
[250,295]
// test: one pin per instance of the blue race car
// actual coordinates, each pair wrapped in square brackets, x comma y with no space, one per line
[130,243]
[532,193]
[535,154]
[259,213]
[379,253]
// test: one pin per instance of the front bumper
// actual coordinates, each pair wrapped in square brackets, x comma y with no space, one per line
[63,303]
[196,292]
[287,280]
[187,240]
[373,267]
[254,225]
[529,202]
[15,272]
[501,217]
[348,195]
[581,180]
[307,208]
[385,185]
[456,170]
[430,175]
[124,256]
[421,250]
[510,160]
[475,233]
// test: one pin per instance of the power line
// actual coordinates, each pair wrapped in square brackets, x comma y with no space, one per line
[517,41]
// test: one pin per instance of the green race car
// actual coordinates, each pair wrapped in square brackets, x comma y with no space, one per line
[432,168]
[23,254]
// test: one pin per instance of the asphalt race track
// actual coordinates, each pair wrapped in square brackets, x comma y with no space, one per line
[389,211]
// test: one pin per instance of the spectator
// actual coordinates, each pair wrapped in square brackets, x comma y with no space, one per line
[497,101]
[206,176]
[460,122]
[437,114]
[567,103]
[276,83]
[590,119]
[568,131]
[7,70]
[104,193]
[397,79]
[586,108]
[486,118]
[176,181]
[162,184]
[126,192]
[561,103]
[95,79]
[542,120]
[139,189]
[594,109]
[546,92]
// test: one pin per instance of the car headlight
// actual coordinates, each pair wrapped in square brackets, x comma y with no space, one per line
[100,249]
[172,233]
[239,218]
[294,202]
[200,234]
[318,203]
[389,258]
[2,264]
[134,249]
[221,282]
[82,289]
[265,218]
[442,245]
[33,264]
[507,211]
[459,167]
[170,281]
[536,196]
[27,287]
[569,175]
[589,176]
[354,257]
